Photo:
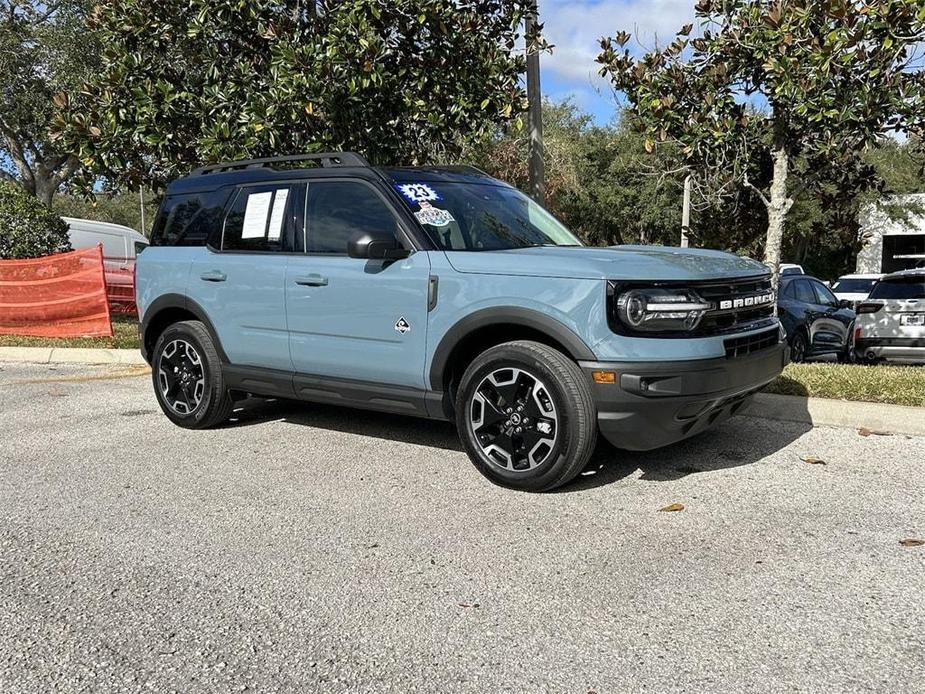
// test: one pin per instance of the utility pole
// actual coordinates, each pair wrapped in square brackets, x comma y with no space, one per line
[535,114]
[141,195]
[686,213]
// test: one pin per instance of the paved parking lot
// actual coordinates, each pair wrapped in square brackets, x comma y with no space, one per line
[307,548]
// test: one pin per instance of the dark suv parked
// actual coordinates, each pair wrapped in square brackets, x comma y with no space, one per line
[816,321]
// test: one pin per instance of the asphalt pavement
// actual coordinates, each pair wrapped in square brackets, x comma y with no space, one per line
[305,548]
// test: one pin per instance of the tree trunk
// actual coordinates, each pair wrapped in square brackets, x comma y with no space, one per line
[778,207]
[45,190]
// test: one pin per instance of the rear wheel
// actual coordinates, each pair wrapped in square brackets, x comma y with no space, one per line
[526,416]
[187,375]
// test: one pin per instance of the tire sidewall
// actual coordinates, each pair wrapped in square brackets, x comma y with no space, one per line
[210,372]
[801,338]
[550,469]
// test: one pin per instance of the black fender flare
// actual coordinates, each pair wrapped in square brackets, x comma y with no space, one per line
[177,301]
[507,316]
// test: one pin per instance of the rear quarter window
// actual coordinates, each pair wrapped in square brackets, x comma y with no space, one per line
[190,219]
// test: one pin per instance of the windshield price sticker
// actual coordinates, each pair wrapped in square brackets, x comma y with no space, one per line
[433,216]
[418,192]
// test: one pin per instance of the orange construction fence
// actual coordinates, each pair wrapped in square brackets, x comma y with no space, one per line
[60,295]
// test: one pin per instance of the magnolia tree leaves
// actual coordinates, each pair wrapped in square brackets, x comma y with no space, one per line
[192,81]
[813,81]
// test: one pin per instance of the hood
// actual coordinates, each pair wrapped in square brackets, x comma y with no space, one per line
[615,262]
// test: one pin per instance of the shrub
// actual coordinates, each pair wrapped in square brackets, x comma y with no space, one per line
[28,229]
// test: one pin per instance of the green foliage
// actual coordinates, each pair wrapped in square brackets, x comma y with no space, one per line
[598,180]
[603,184]
[28,229]
[806,85]
[46,51]
[117,208]
[185,82]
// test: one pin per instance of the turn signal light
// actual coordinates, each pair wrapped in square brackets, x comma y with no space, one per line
[604,376]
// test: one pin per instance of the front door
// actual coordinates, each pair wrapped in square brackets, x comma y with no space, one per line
[362,320]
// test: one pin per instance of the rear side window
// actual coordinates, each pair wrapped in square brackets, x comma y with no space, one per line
[189,220]
[912,287]
[804,292]
[263,219]
[337,210]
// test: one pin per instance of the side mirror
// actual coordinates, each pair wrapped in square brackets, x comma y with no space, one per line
[845,303]
[376,245]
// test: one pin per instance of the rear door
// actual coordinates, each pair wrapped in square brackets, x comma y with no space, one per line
[350,318]
[240,279]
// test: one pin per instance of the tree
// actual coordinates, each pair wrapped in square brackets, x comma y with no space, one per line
[599,180]
[185,82]
[118,208]
[28,229]
[805,85]
[45,51]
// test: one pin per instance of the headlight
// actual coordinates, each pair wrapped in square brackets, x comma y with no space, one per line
[661,309]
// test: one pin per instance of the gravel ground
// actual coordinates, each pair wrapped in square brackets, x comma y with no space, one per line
[307,548]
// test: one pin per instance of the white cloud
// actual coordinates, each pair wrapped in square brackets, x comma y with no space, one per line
[576,28]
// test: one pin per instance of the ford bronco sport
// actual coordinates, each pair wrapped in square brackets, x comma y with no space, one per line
[443,293]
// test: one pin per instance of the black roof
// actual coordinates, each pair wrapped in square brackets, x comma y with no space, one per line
[332,164]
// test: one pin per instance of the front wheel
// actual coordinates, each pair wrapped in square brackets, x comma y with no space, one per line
[798,348]
[526,416]
[187,375]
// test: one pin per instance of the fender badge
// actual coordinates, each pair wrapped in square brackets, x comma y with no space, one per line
[403,326]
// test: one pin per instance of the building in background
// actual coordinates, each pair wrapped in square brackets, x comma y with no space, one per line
[889,242]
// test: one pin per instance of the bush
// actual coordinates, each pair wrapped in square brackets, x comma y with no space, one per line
[28,229]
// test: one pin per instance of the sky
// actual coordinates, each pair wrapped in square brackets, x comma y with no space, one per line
[575,28]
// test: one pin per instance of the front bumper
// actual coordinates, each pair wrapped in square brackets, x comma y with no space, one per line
[653,404]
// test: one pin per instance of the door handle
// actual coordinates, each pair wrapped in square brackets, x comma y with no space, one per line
[213,276]
[312,281]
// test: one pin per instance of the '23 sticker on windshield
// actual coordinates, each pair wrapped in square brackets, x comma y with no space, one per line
[423,195]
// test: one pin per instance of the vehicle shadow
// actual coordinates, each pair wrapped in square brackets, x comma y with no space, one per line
[744,439]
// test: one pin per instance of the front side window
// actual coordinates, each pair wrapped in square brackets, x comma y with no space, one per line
[261,219]
[823,295]
[482,217]
[900,288]
[338,210]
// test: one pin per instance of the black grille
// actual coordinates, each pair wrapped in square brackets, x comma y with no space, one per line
[717,321]
[749,344]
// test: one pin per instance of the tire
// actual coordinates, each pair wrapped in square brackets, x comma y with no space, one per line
[549,439]
[798,346]
[187,349]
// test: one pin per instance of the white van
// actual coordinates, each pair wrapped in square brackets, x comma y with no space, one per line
[121,245]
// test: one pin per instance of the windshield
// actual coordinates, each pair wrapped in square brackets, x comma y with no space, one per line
[911,287]
[480,217]
[853,286]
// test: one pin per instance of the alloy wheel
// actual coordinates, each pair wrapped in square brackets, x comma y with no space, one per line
[513,419]
[181,376]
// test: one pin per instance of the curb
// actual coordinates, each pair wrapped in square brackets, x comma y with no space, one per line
[70,355]
[878,417]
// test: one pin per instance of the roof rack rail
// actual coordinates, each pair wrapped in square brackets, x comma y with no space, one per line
[327,159]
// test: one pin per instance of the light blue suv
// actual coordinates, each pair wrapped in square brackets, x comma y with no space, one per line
[447,294]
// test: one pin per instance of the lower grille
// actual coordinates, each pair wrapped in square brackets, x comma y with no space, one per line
[749,344]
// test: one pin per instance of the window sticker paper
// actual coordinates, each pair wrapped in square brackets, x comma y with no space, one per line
[255,215]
